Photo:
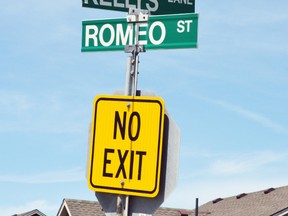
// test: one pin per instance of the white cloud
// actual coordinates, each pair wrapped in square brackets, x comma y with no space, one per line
[231,164]
[71,175]
[255,14]
[23,112]
[41,205]
[13,101]
[256,117]
[49,8]
[245,162]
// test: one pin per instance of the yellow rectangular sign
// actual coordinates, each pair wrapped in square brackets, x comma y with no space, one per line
[126,145]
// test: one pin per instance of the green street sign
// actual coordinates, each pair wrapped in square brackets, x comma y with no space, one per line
[160,32]
[156,7]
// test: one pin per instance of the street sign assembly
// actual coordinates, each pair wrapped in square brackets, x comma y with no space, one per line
[160,32]
[169,176]
[126,145]
[155,7]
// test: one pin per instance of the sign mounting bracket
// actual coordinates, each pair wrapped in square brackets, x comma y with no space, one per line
[134,16]
[137,15]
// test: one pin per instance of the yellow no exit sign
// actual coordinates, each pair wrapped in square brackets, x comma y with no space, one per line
[126,145]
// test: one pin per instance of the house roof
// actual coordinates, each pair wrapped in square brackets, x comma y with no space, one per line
[34,212]
[72,207]
[269,202]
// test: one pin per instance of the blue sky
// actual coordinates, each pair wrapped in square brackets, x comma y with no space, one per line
[229,98]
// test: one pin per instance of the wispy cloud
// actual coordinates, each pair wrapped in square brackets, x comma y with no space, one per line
[71,175]
[245,162]
[251,17]
[254,116]
[23,112]
[13,101]
[45,8]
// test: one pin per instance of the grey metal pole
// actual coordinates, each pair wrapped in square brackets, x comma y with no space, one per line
[131,88]
[128,84]
[119,206]
[132,70]
[196,208]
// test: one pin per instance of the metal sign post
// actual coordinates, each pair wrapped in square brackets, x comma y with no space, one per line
[142,187]
[135,15]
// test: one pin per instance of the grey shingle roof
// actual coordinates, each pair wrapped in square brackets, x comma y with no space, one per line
[80,207]
[34,212]
[262,203]
[178,212]
[172,212]
[270,202]
[71,207]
